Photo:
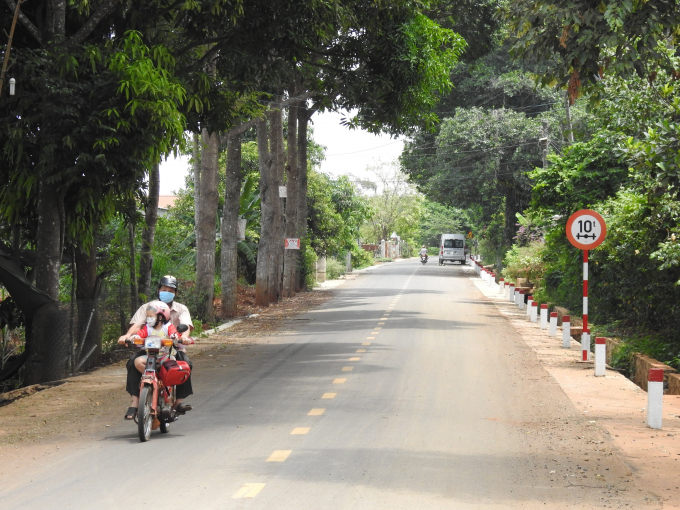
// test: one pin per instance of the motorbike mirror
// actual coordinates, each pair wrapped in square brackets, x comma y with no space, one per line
[182,328]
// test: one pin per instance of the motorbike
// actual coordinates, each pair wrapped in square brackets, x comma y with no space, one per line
[157,399]
[423,259]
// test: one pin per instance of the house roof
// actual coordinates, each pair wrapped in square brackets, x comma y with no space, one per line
[165,201]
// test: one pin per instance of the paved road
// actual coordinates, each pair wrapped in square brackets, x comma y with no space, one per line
[406,390]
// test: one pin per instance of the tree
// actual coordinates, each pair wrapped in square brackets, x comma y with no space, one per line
[581,41]
[481,160]
[396,205]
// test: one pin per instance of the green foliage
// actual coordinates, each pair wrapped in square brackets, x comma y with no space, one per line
[361,258]
[309,258]
[396,206]
[439,219]
[524,262]
[585,174]
[334,268]
[581,41]
[335,212]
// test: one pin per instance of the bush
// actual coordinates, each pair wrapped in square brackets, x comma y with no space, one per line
[309,259]
[525,262]
[361,259]
[334,268]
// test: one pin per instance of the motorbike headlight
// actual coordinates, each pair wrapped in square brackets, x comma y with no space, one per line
[152,343]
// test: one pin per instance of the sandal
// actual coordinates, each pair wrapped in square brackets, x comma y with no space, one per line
[131,413]
[183,408]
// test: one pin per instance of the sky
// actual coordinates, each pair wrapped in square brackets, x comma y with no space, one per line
[347,152]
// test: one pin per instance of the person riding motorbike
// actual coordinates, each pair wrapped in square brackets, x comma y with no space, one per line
[179,314]
[423,252]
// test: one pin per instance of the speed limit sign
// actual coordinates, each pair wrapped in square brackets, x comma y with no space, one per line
[586,229]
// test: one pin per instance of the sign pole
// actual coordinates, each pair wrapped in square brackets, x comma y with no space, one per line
[586,230]
[585,336]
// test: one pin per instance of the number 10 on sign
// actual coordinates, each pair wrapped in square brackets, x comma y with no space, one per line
[586,230]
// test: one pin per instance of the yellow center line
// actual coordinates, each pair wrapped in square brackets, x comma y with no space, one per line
[374,332]
[300,430]
[377,328]
[316,412]
[383,318]
[347,369]
[370,338]
[339,380]
[381,323]
[249,490]
[355,358]
[366,343]
[329,395]
[279,455]
[361,350]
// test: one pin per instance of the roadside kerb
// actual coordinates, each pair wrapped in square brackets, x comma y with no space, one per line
[552,330]
[600,356]
[544,316]
[655,398]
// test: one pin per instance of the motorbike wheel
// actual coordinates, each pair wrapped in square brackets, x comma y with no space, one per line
[144,418]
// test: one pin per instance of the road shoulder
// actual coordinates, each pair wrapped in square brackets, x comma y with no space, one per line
[612,403]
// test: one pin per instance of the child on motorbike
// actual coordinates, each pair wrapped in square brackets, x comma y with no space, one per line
[157,324]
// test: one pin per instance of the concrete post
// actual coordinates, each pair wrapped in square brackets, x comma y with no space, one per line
[544,316]
[511,293]
[600,356]
[534,311]
[321,269]
[516,297]
[566,332]
[552,330]
[530,300]
[655,398]
[521,299]
[501,286]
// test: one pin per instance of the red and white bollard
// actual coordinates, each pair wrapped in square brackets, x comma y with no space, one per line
[530,300]
[585,336]
[521,299]
[655,398]
[517,297]
[506,289]
[544,316]
[566,332]
[600,356]
[511,293]
[501,286]
[534,311]
[552,330]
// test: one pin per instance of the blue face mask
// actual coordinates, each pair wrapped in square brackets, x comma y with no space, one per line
[166,296]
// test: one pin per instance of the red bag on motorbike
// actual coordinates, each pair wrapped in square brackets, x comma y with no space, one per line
[174,372]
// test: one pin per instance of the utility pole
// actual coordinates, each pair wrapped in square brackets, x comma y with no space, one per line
[571,128]
[544,142]
[9,45]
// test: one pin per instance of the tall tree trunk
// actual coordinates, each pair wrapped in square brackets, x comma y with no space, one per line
[291,256]
[49,240]
[86,295]
[132,262]
[266,217]
[276,172]
[197,178]
[205,229]
[47,334]
[229,253]
[148,234]
[303,120]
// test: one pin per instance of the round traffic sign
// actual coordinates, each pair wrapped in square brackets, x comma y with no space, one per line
[586,229]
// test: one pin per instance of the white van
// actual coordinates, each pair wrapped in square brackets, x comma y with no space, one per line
[452,248]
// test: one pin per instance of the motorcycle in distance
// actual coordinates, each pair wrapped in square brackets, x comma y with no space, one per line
[156,399]
[423,259]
